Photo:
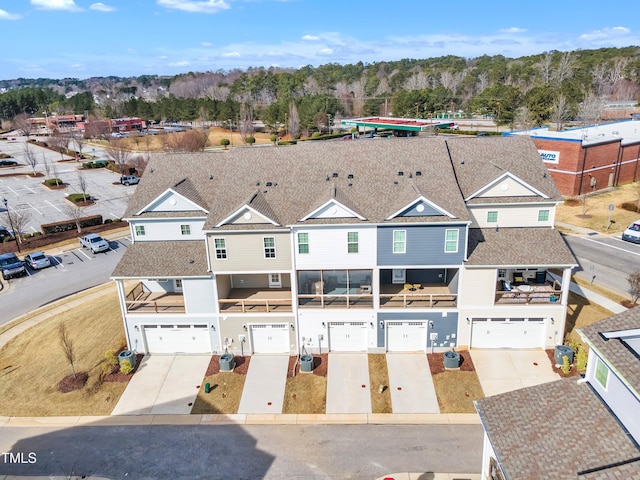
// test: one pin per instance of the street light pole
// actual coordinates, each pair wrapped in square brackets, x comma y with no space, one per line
[231,129]
[13,230]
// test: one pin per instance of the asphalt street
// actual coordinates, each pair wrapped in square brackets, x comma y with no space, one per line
[71,271]
[242,452]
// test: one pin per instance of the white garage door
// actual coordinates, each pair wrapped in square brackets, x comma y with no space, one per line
[507,333]
[406,336]
[270,338]
[347,336]
[177,338]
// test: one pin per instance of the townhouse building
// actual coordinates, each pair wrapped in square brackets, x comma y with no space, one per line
[410,244]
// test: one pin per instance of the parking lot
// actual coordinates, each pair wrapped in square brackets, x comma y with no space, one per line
[29,195]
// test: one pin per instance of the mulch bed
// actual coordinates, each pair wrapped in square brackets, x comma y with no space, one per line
[242,365]
[436,362]
[71,383]
[572,373]
[116,376]
[320,363]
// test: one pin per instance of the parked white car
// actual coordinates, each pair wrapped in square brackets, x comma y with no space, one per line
[94,242]
[632,233]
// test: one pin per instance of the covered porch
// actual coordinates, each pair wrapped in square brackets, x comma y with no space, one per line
[144,298]
[254,293]
[527,285]
[418,288]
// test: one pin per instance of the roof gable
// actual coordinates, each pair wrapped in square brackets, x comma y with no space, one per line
[507,185]
[246,215]
[332,209]
[171,201]
[421,207]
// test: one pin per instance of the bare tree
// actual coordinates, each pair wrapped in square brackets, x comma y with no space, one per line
[545,66]
[294,120]
[82,183]
[67,347]
[60,141]
[634,284]
[139,162]
[30,157]
[523,119]
[22,121]
[561,112]
[483,82]
[18,219]
[76,213]
[80,143]
[246,121]
[564,69]
[590,108]
[47,166]
[117,152]
[189,141]
[54,170]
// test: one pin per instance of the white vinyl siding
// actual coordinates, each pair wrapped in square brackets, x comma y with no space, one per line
[221,248]
[328,248]
[451,240]
[199,295]
[269,244]
[167,229]
[399,241]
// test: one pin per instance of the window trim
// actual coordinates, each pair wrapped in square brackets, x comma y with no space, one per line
[598,372]
[548,214]
[489,215]
[300,244]
[140,233]
[403,242]
[185,229]
[221,253]
[265,248]
[446,240]
[352,243]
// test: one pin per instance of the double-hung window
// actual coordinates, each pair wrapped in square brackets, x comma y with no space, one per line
[140,231]
[303,243]
[451,240]
[399,241]
[185,229]
[543,215]
[352,242]
[269,247]
[602,373]
[220,245]
[492,216]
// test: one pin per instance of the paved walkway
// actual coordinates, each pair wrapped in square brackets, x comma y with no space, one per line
[410,384]
[593,296]
[265,383]
[348,383]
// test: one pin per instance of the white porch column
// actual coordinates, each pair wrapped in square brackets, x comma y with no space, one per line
[566,282]
[375,288]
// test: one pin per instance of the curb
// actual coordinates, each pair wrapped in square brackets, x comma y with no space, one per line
[244,419]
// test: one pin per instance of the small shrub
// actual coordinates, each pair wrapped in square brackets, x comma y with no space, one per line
[125,367]
[108,220]
[52,182]
[250,140]
[581,359]
[224,142]
[111,357]
[315,135]
[566,366]
[273,138]
[4,155]
[78,197]
[630,206]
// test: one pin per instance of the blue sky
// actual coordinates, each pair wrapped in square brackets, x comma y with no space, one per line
[84,38]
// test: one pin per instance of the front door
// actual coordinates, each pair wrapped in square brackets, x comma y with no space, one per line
[399,275]
[275,280]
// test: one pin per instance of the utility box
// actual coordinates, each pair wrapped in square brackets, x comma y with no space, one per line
[562,351]
[451,359]
[227,362]
[306,363]
[128,355]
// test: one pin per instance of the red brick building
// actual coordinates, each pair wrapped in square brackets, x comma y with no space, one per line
[586,159]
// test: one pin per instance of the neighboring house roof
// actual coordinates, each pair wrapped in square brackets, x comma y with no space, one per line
[186,188]
[518,247]
[186,258]
[479,162]
[613,350]
[558,430]
[626,131]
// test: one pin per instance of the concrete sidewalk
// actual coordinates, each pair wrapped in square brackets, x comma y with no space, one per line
[592,296]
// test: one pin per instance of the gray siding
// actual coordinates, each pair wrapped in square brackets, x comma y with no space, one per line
[428,211]
[445,327]
[424,245]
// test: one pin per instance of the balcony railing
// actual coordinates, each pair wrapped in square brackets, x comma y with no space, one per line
[141,300]
[354,300]
[416,296]
[250,300]
[548,292]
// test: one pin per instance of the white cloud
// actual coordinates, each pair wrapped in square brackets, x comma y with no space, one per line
[206,44]
[182,63]
[512,30]
[310,38]
[4,15]
[605,33]
[101,7]
[325,51]
[230,54]
[193,6]
[68,5]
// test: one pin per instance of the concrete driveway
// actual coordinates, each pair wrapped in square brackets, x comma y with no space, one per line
[410,384]
[265,383]
[501,371]
[348,389]
[163,384]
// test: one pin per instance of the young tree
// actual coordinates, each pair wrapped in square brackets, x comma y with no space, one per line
[634,284]
[561,112]
[80,143]
[54,170]
[116,152]
[294,121]
[19,220]
[23,122]
[246,121]
[76,213]
[189,141]
[67,347]
[60,141]
[82,183]
[30,157]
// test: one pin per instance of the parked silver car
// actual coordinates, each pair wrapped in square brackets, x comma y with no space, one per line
[37,260]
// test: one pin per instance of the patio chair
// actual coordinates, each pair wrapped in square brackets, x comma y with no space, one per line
[518,279]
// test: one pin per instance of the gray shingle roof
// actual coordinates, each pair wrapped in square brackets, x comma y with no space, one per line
[163,259]
[302,174]
[616,353]
[555,431]
[480,161]
[518,247]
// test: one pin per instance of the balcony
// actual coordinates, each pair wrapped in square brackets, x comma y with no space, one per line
[528,292]
[141,300]
[255,300]
[339,297]
[417,296]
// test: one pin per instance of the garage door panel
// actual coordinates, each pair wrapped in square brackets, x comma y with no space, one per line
[406,336]
[270,338]
[348,336]
[177,338]
[502,333]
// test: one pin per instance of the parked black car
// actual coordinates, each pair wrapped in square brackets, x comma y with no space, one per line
[7,163]
[11,266]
